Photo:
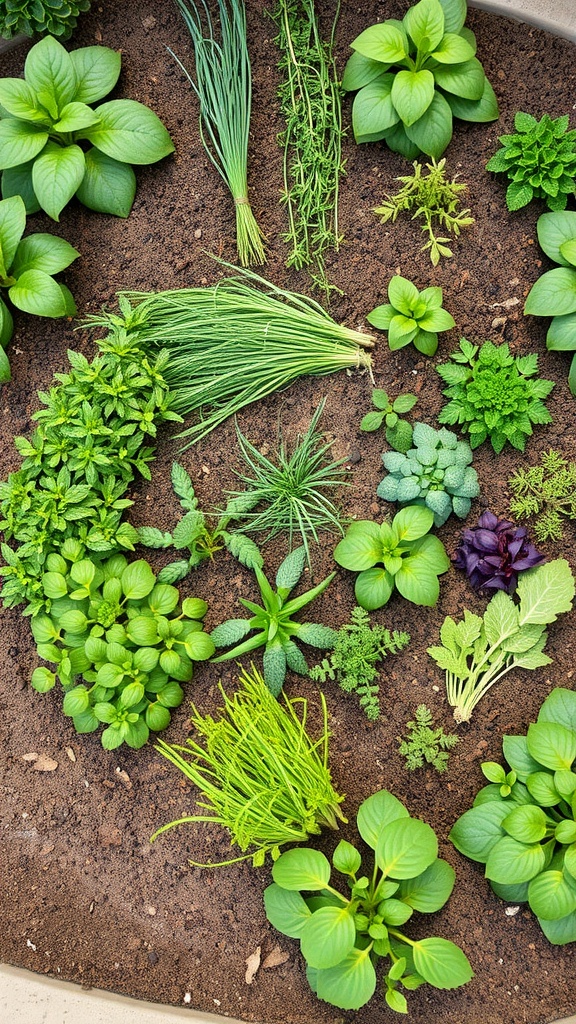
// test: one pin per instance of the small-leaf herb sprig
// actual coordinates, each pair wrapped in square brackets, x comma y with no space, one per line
[352,663]
[388,412]
[546,493]
[412,316]
[426,744]
[494,394]
[539,160]
[344,937]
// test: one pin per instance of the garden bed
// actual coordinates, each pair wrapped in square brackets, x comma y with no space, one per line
[86,896]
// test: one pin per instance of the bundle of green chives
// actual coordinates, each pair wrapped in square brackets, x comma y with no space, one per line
[231,344]
[224,88]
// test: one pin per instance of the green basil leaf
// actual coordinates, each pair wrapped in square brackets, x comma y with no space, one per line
[527,823]
[552,745]
[97,70]
[75,116]
[550,896]
[17,181]
[454,15]
[12,224]
[361,548]
[383,42]
[441,963]
[373,588]
[49,70]
[405,848]
[373,110]
[43,252]
[346,858]
[466,80]
[38,293]
[43,679]
[20,142]
[361,71]
[431,133]
[553,294]
[286,910]
[511,862]
[478,830]
[19,100]
[6,331]
[561,335]
[453,49]
[375,813]
[412,93]
[76,701]
[428,891]
[107,186]
[302,869]
[484,109]
[350,984]
[56,175]
[559,707]
[554,229]
[199,646]
[541,787]
[424,23]
[129,132]
[137,580]
[328,936]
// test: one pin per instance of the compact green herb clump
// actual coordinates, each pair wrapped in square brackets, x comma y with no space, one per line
[425,744]
[435,472]
[523,827]
[412,109]
[548,492]
[412,316]
[45,117]
[39,17]
[194,533]
[432,197]
[26,269]
[479,650]
[259,773]
[277,630]
[398,555]
[554,293]
[493,394]
[352,662]
[343,937]
[126,635]
[398,431]
[540,161]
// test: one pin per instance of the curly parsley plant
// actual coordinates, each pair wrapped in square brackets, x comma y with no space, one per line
[540,161]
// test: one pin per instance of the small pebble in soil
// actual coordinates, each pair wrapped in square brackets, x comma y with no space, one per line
[510,911]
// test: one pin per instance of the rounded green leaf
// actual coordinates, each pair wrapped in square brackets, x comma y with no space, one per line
[360,71]
[17,181]
[54,584]
[129,132]
[328,936]
[511,862]
[428,891]
[550,896]
[157,717]
[403,294]
[541,787]
[49,70]
[97,71]
[56,175]
[375,813]
[395,912]
[137,580]
[560,932]
[43,252]
[412,522]
[382,42]
[76,701]
[302,869]
[455,15]
[431,133]
[552,745]
[12,224]
[108,186]
[405,848]
[75,116]
[424,23]
[163,599]
[199,646]
[113,736]
[83,572]
[361,548]
[19,100]
[484,109]
[441,963]
[373,110]
[527,823]
[478,830]
[6,331]
[373,588]
[73,621]
[131,695]
[554,229]
[565,831]
[37,293]
[417,582]
[43,679]
[465,80]
[286,910]
[109,676]
[350,984]
[412,93]
[561,336]
[553,294]
[453,49]
[171,695]
[346,858]
[194,608]
[20,142]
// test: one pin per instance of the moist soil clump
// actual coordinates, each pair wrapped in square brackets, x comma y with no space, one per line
[86,897]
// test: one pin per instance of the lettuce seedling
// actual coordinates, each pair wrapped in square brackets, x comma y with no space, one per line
[398,431]
[523,825]
[554,293]
[344,937]
[46,121]
[400,555]
[540,161]
[412,316]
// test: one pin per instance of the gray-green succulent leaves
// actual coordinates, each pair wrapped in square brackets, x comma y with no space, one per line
[47,115]
[412,316]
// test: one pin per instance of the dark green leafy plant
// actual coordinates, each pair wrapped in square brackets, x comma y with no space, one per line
[26,269]
[425,744]
[547,492]
[433,198]
[398,431]
[523,825]
[194,533]
[259,773]
[398,555]
[413,76]
[494,394]
[352,662]
[554,293]
[435,472]
[343,937]
[125,634]
[540,161]
[46,116]
[277,631]
[479,650]
[412,316]
[39,17]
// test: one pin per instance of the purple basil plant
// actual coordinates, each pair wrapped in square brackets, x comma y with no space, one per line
[494,552]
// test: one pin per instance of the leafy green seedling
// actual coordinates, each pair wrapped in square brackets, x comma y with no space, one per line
[344,937]
[400,555]
[425,744]
[539,160]
[26,269]
[398,431]
[412,316]
[277,631]
[38,17]
[522,826]
[554,293]
[548,492]
[46,121]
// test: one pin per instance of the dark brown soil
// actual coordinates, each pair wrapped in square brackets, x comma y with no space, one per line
[86,896]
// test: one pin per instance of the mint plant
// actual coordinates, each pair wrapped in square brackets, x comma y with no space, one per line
[388,412]
[399,555]
[546,493]
[26,269]
[414,76]
[359,647]
[344,936]
[554,293]
[412,316]
[539,160]
[38,17]
[277,631]
[522,826]
[480,650]
[125,634]
[494,394]
[426,744]
[46,122]
[434,472]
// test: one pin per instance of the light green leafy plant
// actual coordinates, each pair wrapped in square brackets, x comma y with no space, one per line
[398,431]
[494,394]
[46,120]
[398,555]
[413,76]
[358,649]
[523,825]
[412,316]
[277,631]
[260,774]
[480,650]
[547,492]
[554,293]
[435,472]
[344,937]
[433,198]
[125,634]
[26,269]
[425,744]
[539,160]
[38,17]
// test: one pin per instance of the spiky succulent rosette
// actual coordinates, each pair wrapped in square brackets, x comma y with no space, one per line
[494,552]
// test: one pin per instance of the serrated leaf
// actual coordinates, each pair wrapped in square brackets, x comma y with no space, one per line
[545,592]
[500,618]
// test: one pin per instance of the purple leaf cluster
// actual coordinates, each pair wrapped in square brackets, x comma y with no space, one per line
[494,552]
